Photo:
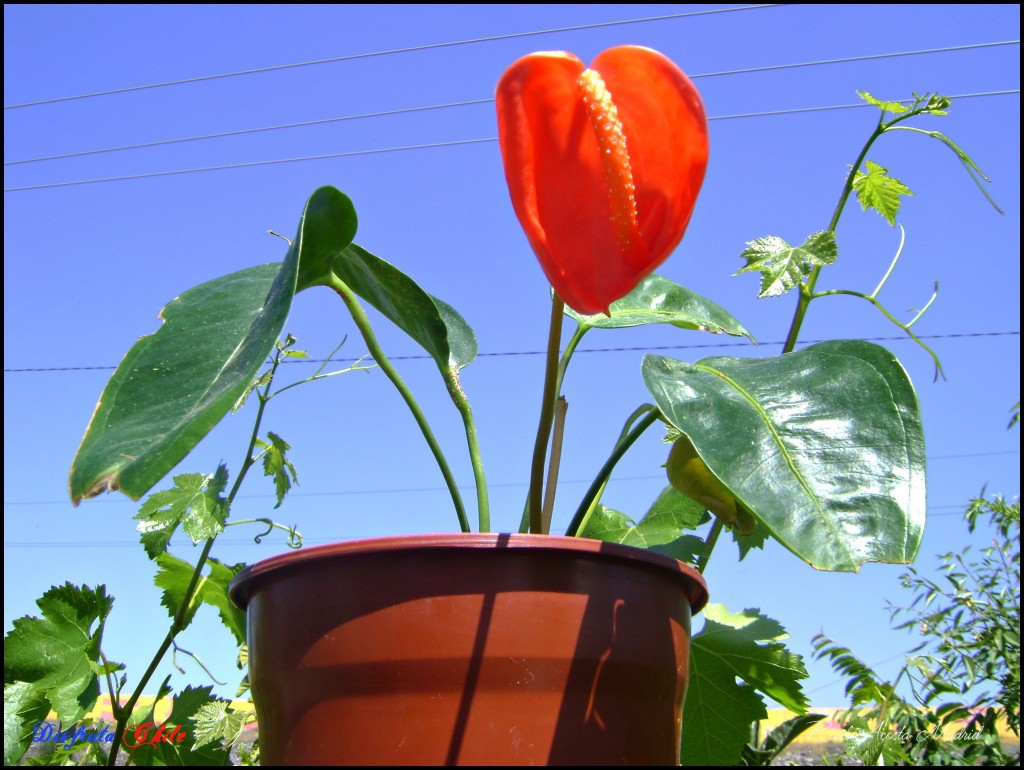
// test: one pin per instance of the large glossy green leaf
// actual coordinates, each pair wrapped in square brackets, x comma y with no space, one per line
[824,446]
[719,710]
[657,300]
[431,322]
[175,385]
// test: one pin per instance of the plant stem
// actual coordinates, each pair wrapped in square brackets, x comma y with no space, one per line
[547,410]
[807,288]
[553,463]
[179,622]
[363,324]
[709,543]
[462,404]
[594,491]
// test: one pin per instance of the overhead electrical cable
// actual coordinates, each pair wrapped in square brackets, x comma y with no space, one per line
[500,354]
[475,102]
[434,145]
[392,51]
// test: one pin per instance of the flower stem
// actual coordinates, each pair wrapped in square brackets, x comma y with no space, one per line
[462,404]
[547,411]
[363,324]
[554,462]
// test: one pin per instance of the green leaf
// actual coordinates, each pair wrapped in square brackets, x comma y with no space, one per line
[877,191]
[719,711]
[217,722]
[174,577]
[782,266]
[215,593]
[662,528]
[657,300]
[277,465]
[23,708]
[432,323]
[187,708]
[194,502]
[329,224]
[174,385]
[896,108]
[824,446]
[778,739]
[58,653]
[747,543]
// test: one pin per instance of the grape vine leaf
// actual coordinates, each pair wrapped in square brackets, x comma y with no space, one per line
[174,577]
[896,108]
[58,653]
[719,709]
[194,502]
[215,721]
[875,190]
[661,529]
[23,708]
[277,465]
[783,266]
[185,710]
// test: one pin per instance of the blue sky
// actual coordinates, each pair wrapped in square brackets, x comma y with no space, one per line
[88,266]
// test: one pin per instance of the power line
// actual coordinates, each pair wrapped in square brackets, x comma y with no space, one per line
[505,353]
[434,145]
[29,544]
[476,102]
[392,51]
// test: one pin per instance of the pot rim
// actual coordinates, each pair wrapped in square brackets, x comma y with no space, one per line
[242,586]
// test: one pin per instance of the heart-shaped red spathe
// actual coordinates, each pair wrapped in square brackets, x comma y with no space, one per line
[603,165]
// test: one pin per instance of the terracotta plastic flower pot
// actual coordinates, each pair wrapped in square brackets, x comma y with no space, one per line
[469,649]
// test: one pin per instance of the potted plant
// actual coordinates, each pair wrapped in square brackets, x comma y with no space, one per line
[511,648]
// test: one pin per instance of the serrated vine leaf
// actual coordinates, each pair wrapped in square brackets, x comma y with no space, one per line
[23,708]
[719,710]
[825,446]
[215,593]
[896,108]
[782,266]
[875,190]
[187,706]
[663,528]
[217,722]
[277,465]
[194,503]
[58,653]
[175,575]
[657,300]
[747,543]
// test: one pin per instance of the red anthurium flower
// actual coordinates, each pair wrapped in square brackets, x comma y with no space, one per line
[603,165]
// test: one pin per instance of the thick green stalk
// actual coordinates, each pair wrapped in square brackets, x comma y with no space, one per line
[363,324]
[462,404]
[624,443]
[547,413]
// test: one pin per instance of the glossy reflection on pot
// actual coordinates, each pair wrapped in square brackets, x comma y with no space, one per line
[469,649]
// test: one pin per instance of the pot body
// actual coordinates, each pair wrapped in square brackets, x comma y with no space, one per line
[474,649]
